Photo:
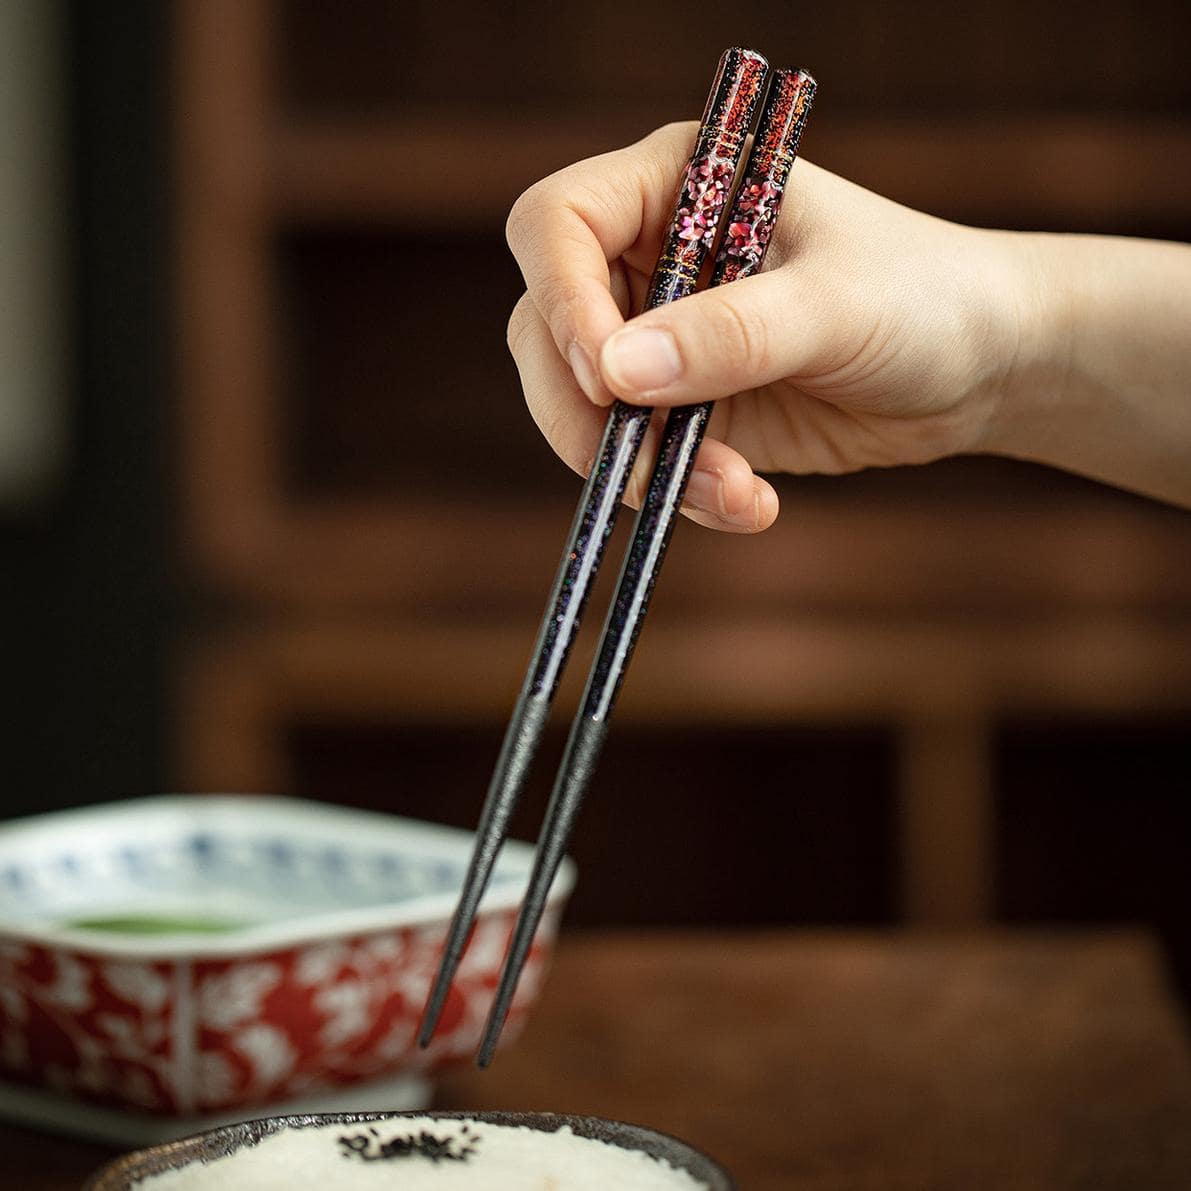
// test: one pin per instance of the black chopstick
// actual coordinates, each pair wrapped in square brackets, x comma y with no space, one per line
[699,212]
[754,210]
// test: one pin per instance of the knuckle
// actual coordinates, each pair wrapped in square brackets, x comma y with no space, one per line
[523,217]
[740,341]
[555,296]
[552,421]
[673,130]
[520,325]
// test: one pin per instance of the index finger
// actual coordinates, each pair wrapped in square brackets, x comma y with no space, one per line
[565,229]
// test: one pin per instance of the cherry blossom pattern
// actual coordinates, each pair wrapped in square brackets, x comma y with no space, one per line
[747,237]
[87,1027]
[705,189]
[223,1033]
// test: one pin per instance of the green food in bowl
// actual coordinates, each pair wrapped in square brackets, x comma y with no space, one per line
[155,924]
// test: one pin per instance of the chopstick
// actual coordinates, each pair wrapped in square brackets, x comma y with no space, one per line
[754,210]
[700,208]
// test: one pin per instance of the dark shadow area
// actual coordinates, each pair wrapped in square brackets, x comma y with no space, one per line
[702,825]
[86,607]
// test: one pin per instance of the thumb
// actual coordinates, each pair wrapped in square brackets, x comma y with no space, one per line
[714,343]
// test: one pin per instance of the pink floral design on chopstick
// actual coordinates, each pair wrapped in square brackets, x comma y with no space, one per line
[759,197]
[748,237]
[701,203]
[706,186]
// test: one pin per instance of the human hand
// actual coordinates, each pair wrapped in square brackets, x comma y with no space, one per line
[876,335]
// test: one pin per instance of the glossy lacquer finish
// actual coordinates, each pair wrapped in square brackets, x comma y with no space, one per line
[699,209]
[750,224]
[746,240]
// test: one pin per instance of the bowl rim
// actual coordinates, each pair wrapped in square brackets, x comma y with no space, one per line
[126,1172]
[262,938]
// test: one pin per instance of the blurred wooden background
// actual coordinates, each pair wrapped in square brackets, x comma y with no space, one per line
[945,694]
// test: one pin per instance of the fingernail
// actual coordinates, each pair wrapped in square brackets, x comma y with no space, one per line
[705,491]
[641,359]
[748,519]
[584,370]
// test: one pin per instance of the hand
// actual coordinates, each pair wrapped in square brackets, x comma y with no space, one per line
[875,336]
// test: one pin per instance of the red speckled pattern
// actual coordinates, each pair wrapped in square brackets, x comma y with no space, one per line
[759,195]
[707,180]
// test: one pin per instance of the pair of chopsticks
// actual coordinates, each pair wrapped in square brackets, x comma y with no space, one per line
[702,212]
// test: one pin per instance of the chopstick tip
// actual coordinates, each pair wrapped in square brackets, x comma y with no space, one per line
[488,1044]
[434,1006]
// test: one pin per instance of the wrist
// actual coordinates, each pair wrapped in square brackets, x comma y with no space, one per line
[1099,378]
[1029,382]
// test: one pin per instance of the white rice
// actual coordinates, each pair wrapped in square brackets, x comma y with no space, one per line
[504,1158]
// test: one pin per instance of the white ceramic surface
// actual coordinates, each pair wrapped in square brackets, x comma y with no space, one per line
[291,871]
[308,998]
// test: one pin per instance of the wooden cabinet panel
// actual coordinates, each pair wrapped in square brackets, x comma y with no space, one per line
[927,55]
[370,520]
[693,824]
[384,396]
[1094,824]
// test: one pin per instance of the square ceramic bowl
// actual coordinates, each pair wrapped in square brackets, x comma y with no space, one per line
[195,957]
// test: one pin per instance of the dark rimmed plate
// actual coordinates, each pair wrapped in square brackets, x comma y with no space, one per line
[126,1173]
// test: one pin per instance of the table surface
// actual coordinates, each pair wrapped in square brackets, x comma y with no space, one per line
[825,1061]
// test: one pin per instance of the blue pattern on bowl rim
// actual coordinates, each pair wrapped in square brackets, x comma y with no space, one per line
[286,869]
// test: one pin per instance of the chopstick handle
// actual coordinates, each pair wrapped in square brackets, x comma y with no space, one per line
[754,210]
[742,252]
[699,209]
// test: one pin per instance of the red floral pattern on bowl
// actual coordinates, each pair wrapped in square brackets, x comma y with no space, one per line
[186,1023]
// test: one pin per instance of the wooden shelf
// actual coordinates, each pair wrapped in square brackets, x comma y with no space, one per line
[865,558]
[939,686]
[1046,168]
[756,669]
[927,617]
[246,169]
